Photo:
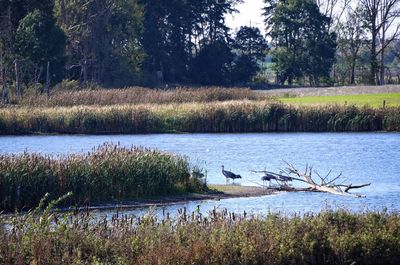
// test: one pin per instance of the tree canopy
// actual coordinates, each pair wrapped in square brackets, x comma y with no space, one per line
[251,47]
[304,47]
[38,41]
[118,43]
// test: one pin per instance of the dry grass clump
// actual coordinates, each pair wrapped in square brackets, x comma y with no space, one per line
[217,238]
[139,95]
[107,173]
[222,117]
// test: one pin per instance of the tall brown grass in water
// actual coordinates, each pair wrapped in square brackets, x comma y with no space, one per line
[107,173]
[221,117]
[192,238]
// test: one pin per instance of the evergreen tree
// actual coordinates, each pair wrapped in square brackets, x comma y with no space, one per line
[28,35]
[103,40]
[304,47]
[176,32]
[213,64]
[249,41]
[250,46]
[39,41]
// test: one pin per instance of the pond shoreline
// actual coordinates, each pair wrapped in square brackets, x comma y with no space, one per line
[360,156]
[218,192]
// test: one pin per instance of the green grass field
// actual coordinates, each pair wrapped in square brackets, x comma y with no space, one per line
[372,100]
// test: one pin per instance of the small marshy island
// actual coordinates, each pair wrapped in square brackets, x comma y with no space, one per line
[110,175]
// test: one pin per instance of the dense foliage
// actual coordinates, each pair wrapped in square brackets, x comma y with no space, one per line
[304,47]
[29,35]
[252,48]
[103,40]
[107,173]
[158,43]
[119,43]
[177,32]
[192,238]
[38,41]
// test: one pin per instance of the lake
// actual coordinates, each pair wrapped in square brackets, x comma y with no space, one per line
[361,157]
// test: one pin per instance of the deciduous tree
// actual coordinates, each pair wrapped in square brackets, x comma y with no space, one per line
[382,21]
[351,37]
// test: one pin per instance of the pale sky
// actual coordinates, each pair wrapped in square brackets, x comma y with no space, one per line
[250,10]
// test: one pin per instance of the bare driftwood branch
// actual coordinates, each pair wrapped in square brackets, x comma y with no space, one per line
[326,184]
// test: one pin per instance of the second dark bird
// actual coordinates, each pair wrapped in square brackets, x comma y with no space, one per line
[230,175]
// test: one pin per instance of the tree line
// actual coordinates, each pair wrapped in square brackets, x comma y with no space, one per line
[334,41]
[128,42]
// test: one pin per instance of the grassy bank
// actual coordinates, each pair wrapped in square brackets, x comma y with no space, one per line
[108,173]
[218,238]
[371,100]
[137,95]
[222,117]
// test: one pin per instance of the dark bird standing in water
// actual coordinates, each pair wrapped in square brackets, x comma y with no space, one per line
[230,175]
[268,177]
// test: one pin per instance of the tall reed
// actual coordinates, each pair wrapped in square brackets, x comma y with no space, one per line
[138,95]
[192,238]
[223,117]
[107,173]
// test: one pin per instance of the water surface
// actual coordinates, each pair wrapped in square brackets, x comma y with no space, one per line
[362,157]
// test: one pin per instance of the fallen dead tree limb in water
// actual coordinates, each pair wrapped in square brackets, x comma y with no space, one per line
[312,179]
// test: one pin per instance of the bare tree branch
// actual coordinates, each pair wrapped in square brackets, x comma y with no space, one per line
[325,185]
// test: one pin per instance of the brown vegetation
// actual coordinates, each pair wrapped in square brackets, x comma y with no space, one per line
[193,238]
[110,173]
[138,95]
[222,117]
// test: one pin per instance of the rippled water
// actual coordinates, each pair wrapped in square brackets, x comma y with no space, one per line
[362,157]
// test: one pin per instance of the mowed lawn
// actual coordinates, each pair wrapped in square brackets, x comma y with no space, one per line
[372,100]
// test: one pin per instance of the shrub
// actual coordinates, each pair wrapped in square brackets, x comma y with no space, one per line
[337,237]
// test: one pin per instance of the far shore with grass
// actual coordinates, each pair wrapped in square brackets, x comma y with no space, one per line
[214,117]
[196,110]
[369,100]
